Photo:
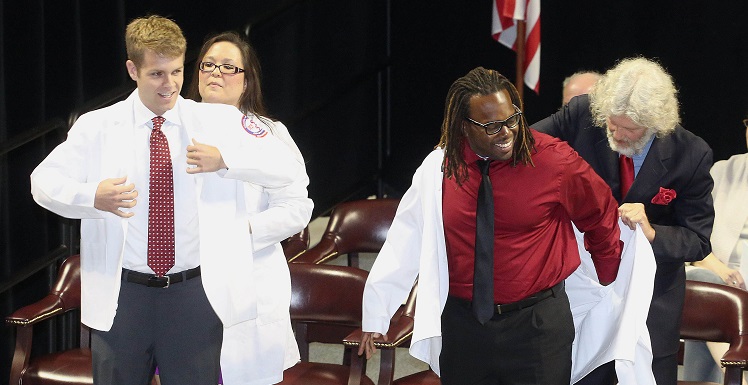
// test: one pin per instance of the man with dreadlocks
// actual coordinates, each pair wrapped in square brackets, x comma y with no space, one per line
[539,186]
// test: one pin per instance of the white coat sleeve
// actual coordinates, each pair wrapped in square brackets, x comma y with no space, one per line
[397,265]
[263,161]
[60,182]
[289,208]
[251,153]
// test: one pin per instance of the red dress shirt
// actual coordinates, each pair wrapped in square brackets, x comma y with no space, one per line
[534,243]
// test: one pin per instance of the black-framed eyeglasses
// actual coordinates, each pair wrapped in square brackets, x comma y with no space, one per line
[493,127]
[228,69]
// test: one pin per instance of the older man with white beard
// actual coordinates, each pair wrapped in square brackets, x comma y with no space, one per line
[628,125]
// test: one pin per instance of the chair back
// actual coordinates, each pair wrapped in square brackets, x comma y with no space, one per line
[296,243]
[325,302]
[326,307]
[362,225]
[354,227]
[68,284]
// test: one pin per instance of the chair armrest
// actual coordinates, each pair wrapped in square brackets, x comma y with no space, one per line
[737,354]
[292,248]
[325,250]
[24,319]
[41,310]
[399,333]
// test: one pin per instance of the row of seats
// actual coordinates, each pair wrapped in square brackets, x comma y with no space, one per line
[353,227]
[326,308]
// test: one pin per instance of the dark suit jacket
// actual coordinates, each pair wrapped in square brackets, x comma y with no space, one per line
[679,161]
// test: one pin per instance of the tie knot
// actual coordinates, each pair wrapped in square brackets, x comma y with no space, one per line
[625,161]
[483,165]
[158,121]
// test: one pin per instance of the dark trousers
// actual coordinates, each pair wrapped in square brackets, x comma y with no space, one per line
[174,328]
[528,346]
[665,370]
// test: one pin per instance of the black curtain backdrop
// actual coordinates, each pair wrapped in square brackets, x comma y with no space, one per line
[703,45]
[348,77]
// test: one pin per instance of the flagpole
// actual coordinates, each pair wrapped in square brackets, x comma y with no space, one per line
[520,45]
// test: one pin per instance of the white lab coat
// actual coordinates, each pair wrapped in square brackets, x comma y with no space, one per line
[256,352]
[100,146]
[415,247]
[730,211]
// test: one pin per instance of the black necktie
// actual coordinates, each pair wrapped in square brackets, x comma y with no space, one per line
[483,304]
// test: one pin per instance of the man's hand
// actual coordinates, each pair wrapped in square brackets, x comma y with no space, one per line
[112,195]
[633,213]
[367,343]
[204,157]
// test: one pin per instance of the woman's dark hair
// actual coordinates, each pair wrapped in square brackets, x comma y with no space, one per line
[251,99]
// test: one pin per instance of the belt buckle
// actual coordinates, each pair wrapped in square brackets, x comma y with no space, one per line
[158,280]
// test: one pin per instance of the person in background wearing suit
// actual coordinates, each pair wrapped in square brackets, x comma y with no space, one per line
[725,263]
[579,83]
[631,116]
[166,248]
[537,185]
[256,352]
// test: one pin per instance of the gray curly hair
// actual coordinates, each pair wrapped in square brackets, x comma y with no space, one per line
[640,89]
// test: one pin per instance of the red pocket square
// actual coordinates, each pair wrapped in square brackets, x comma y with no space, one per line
[664,197]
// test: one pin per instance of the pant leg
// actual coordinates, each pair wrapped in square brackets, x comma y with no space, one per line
[528,346]
[665,369]
[545,345]
[124,354]
[464,344]
[189,336]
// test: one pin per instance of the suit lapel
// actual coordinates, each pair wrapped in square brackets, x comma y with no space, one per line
[652,171]
[607,160]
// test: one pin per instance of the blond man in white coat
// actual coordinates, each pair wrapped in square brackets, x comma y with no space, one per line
[100,175]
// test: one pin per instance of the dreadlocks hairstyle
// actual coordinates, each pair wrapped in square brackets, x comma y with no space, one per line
[479,81]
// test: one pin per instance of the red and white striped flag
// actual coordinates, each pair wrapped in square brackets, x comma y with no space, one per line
[504,30]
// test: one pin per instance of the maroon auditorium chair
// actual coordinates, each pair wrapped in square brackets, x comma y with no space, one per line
[69,367]
[355,227]
[718,313]
[329,295]
[398,336]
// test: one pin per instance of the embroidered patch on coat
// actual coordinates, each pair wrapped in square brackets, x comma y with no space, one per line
[252,127]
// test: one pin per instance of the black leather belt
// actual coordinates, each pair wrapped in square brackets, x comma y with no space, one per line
[151,280]
[523,303]
[529,301]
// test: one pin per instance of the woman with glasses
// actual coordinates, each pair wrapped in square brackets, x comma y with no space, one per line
[724,264]
[256,351]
